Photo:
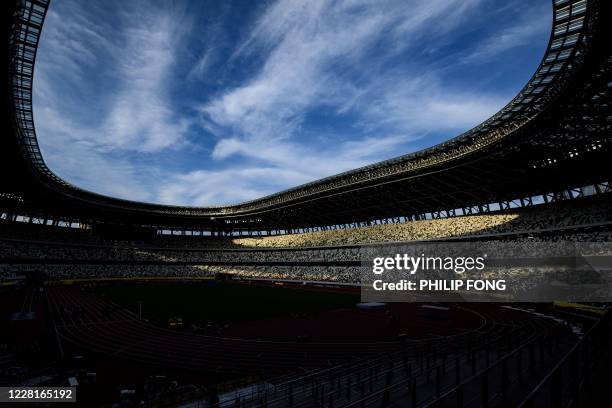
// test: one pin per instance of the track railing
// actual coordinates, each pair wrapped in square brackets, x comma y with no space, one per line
[565,384]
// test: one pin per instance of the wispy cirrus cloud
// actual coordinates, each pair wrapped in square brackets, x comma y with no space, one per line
[508,37]
[84,113]
[142,117]
[310,49]
[82,162]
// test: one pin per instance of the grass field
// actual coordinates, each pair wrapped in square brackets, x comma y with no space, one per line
[220,302]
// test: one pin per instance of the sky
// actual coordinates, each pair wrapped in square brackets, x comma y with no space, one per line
[219,102]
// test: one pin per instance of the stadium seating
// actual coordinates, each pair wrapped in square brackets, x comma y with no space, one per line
[573,213]
[332,256]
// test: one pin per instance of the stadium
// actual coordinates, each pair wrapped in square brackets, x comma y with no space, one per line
[258,303]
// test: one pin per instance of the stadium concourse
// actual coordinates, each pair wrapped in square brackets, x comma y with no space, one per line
[536,172]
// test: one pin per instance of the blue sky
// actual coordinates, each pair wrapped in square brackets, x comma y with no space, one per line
[218,102]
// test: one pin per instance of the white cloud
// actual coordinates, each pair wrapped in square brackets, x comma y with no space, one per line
[211,39]
[142,117]
[516,35]
[203,64]
[136,61]
[308,45]
[80,162]
[75,131]
[206,187]
[423,104]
